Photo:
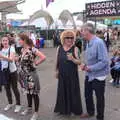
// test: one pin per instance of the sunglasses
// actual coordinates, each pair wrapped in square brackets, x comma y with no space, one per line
[68,37]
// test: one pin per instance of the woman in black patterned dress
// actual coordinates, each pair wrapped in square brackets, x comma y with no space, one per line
[28,75]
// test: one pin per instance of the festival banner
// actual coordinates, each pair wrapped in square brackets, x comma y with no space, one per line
[48,2]
[105,8]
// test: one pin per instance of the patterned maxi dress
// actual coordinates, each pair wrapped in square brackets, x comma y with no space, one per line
[68,92]
[27,72]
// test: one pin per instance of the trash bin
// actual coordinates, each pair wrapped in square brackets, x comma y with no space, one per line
[42,42]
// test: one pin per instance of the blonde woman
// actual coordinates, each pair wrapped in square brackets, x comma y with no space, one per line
[68,92]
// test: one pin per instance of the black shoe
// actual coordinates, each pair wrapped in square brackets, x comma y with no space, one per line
[99,119]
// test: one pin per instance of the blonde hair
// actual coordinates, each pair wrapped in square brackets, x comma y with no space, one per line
[67,33]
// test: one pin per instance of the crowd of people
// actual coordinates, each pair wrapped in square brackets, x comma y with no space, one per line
[18,64]
[115,67]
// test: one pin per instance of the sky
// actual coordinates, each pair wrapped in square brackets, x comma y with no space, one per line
[31,6]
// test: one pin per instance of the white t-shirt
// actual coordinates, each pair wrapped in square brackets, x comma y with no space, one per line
[4,63]
[105,36]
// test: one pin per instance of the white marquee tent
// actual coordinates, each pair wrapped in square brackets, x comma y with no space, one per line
[65,20]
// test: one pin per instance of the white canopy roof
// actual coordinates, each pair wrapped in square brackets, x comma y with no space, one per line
[40,22]
[66,16]
[8,6]
[44,20]
[99,26]
[42,14]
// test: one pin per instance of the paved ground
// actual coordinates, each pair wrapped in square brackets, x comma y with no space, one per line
[48,95]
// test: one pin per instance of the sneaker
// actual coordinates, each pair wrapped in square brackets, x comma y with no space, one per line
[26,111]
[8,107]
[35,116]
[17,108]
[111,81]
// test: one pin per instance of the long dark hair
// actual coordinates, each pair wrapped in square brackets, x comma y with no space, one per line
[1,45]
[26,38]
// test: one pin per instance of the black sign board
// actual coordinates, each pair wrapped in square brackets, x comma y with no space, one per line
[105,8]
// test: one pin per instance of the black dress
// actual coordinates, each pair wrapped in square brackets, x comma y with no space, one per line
[68,92]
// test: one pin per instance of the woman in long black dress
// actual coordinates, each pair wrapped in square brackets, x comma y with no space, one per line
[68,92]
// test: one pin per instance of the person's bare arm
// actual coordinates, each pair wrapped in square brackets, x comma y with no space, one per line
[41,57]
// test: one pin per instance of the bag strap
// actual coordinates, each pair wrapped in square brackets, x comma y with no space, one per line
[9,56]
[58,52]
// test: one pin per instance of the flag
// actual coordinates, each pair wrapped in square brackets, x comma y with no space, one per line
[48,2]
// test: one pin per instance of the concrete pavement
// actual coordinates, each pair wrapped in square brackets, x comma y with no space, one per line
[48,95]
